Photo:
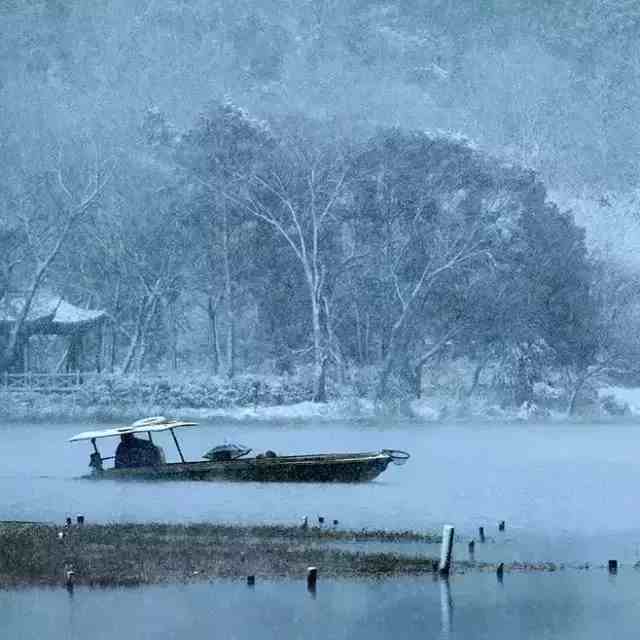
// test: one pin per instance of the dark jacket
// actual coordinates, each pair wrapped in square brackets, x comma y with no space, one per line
[135,452]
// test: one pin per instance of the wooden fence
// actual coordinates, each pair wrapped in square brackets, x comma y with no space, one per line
[44,381]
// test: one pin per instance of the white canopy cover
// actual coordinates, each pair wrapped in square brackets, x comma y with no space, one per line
[158,423]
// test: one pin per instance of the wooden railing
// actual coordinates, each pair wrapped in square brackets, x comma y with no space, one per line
[44,381]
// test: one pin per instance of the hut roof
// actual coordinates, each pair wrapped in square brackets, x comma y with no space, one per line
[48,314]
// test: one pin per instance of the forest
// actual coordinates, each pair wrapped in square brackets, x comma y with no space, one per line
[158,169]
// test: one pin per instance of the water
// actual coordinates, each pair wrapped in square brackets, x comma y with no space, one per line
[567,492]
[566,605]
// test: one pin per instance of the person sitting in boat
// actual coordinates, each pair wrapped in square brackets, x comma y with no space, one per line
[134,452]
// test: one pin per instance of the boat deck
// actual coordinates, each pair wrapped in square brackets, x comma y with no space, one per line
[333,467]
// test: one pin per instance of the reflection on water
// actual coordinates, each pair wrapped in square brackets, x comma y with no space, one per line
[568,493]
[568,605]
[446,606]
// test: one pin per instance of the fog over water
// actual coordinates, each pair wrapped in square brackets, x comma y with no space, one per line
[566,492]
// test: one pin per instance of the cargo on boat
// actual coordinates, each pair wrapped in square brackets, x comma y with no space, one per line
[138,458]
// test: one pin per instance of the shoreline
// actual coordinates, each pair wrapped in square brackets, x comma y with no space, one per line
[39,407]
[262,398]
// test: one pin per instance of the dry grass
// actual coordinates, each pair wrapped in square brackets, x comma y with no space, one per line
[121,554]
[136,554]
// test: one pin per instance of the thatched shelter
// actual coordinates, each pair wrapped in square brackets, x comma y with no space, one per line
[49,314]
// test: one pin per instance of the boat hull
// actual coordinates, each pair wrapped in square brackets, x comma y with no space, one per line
[358,467]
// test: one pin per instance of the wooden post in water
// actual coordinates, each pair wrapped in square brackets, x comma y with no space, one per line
[481,534]
[68,577]
[500,571]
[446,549]
[312,578]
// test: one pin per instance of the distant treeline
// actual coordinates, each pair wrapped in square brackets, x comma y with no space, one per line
[240,245]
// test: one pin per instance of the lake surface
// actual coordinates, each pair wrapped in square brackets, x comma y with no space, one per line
[563,605]
[568,493]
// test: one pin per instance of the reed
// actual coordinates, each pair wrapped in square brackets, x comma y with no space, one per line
[126,554]
[137,554]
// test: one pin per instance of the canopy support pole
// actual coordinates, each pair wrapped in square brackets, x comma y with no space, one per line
[95,460]
[177,445]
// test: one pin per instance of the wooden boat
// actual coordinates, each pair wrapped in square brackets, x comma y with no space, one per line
[325,467]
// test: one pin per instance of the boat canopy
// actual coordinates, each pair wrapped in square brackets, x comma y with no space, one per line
[147,425]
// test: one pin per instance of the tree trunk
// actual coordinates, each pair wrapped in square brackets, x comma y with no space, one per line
[320,391]
[74,354]
[151,311]
[114,331]
[389,358]
[228,288]
[476,378]
[133,347]
[99,347]
[173,329]
[113,356]
[394,347]
[417,380]
[61,367]
[414,373]
[573,400]
[524,388]
[215,347]
[359,350]
[26,356]
[365,346]
[385,372]
[384,343]
[319,382]
[334,343]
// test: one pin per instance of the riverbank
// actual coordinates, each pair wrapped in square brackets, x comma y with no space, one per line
[278,399]
[139,554]
[111,398]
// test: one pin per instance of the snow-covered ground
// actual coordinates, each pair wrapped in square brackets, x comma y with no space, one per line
[625,396]
[335,410]
[614,402]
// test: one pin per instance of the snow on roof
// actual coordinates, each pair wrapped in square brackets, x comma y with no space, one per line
[48,313]
[69,314]
[43,306]
[151,426]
